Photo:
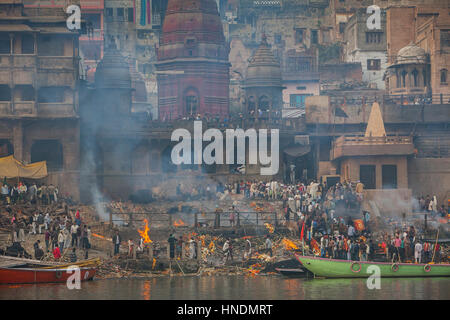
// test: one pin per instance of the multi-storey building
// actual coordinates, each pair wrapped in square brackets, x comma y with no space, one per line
[39,73]
[367,46]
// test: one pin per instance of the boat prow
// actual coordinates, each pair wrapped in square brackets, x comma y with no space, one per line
[334,268]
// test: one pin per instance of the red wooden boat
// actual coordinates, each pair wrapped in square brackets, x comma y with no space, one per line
[38,275]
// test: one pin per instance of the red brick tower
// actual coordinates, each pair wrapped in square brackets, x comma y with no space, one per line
[192,67]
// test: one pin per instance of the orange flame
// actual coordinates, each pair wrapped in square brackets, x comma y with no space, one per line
[144,233]
[289,245]
[178,223]
[269,227]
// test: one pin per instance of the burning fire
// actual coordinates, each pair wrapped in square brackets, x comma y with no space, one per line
[178,223]
[289,245]
[269,227]
[144,233]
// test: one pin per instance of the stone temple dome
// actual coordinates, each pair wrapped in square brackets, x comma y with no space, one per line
[411,54]
[263,68]
[113,72]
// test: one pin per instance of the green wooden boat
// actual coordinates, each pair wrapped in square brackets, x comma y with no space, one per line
[333,268]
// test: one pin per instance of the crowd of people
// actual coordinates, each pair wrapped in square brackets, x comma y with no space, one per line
[430,205]
[33,193]
[60,233]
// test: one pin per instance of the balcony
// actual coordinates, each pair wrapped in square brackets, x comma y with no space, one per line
[5,108]
[52,62]
[354,146]
[56,110]
[24,108]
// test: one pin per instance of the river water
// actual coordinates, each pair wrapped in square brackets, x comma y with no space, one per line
[235,287]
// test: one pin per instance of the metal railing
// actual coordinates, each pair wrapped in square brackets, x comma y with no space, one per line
[401,99]
[162,220]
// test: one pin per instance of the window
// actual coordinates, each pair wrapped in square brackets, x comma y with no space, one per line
[251,105]
[444,76]
[120,14]
[27,44]
[367,176]
[5,92]
[109,14]
[25,92]
[51,94]
[299,36]
[389,176]
[48,150]
[341,27]
[373,64]
[415,75]
[5,44]
[404,74]
[314,37]
[445,38]
[298,100]
[302,64]
[373,37]
[6,148]
[264,103]
[130,14]
[191,104]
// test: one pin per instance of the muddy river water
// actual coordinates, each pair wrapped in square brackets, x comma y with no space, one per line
[235,287]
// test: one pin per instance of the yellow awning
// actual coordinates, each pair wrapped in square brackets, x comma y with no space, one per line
[12,168]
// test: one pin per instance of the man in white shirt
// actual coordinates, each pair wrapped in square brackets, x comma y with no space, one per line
[73,231]
[351,231]
[418,252]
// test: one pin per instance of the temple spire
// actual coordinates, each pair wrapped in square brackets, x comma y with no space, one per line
[375,125]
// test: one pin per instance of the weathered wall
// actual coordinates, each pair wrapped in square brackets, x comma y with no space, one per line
[350,169]
[430,176]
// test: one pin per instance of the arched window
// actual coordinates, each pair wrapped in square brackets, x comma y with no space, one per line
[50,151]
[444,76]
[251,105]
[404,74]
[415,75]
[264,104]
[397,77]
[191,101]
